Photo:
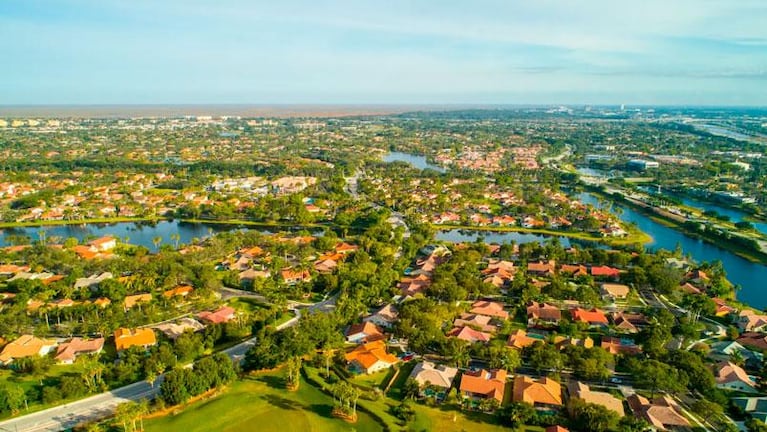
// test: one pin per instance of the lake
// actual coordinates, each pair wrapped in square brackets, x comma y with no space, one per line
[419,162]
[468,236]
[750,276]
[135,233]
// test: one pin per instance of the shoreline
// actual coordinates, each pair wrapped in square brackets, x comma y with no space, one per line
[640,237]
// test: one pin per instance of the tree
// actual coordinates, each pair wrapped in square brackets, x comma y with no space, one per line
[293,372]
[12,398]
[544,357]
[754,425]
[411,389]
[591,417]
[517,413]
[173,389]
[630,423]
[706,409]
[503,357]
[654,375]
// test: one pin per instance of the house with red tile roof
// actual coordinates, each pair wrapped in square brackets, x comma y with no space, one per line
[67,352]
[221,315]
[484,384]
[592,317]
[543,393]
[470,335]
[371,357]
[489,308]
[605,272]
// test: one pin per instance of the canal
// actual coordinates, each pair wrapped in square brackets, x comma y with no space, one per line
[751,277]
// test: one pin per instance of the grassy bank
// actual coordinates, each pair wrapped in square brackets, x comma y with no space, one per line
[112,220]
[634,237]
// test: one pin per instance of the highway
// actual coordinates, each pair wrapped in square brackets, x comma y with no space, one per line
[103,405]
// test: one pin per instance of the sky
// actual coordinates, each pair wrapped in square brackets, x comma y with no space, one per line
[649,52]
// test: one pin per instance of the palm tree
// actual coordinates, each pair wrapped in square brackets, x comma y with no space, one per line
[157,241]
[176,237]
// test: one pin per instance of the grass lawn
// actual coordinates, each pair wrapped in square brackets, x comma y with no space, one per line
[261,403]
[453,420]
[28,382]
[373,380]
[246,304]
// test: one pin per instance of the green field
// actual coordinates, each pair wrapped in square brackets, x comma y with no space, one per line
[261,403]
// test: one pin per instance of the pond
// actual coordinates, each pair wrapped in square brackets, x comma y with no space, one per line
[416,161]
[142,234]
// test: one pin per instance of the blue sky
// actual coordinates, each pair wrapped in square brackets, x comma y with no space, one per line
[393,51]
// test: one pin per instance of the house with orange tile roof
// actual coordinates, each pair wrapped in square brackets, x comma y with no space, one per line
[593,317]
[730,376]
[67,352]
[371,357]
[179,291]
[484,384]
[26,346]
[543,313]
[520,339]
[489,308]
[363,332]
[542,268]
[556,428]
[345,248]
[221,315]
[470,335]
[141,337]
[574,270]
[722,308]
[577,389]
[543,393]
[562,342]
[12,269]
[663,413]
[292,277]
[411,286]
[133,300]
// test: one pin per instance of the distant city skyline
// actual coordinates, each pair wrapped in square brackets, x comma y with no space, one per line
[681,52]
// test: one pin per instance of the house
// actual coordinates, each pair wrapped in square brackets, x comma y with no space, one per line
[248,276]
[626,322]
[345,248]
[593,317]
[175,329]
[756,407]
[519,339]
[543,393]
[219,316]
[428,374]
[93,281]
[543,313]
[414,285]
[470,335]
[689,288]
[582,391]
[613,291]
[363,332]
[662,413]
[723,351]
[371,357]
[325,265]
[574,270]
[722,308]
[749,320]
[478,322]
[26,346]
[556,428]
[102,302]
[103,244]
[179,291]
[698,277]
[484,384]
[605,272]
[292,277]
[67,352]
[615,345]
[754,340]
[133,300]
[489,308]
[561,342]
[542,268]
[141,337]
[384,317]
[730,376]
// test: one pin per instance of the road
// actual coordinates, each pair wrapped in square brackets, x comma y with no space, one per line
[100,406]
